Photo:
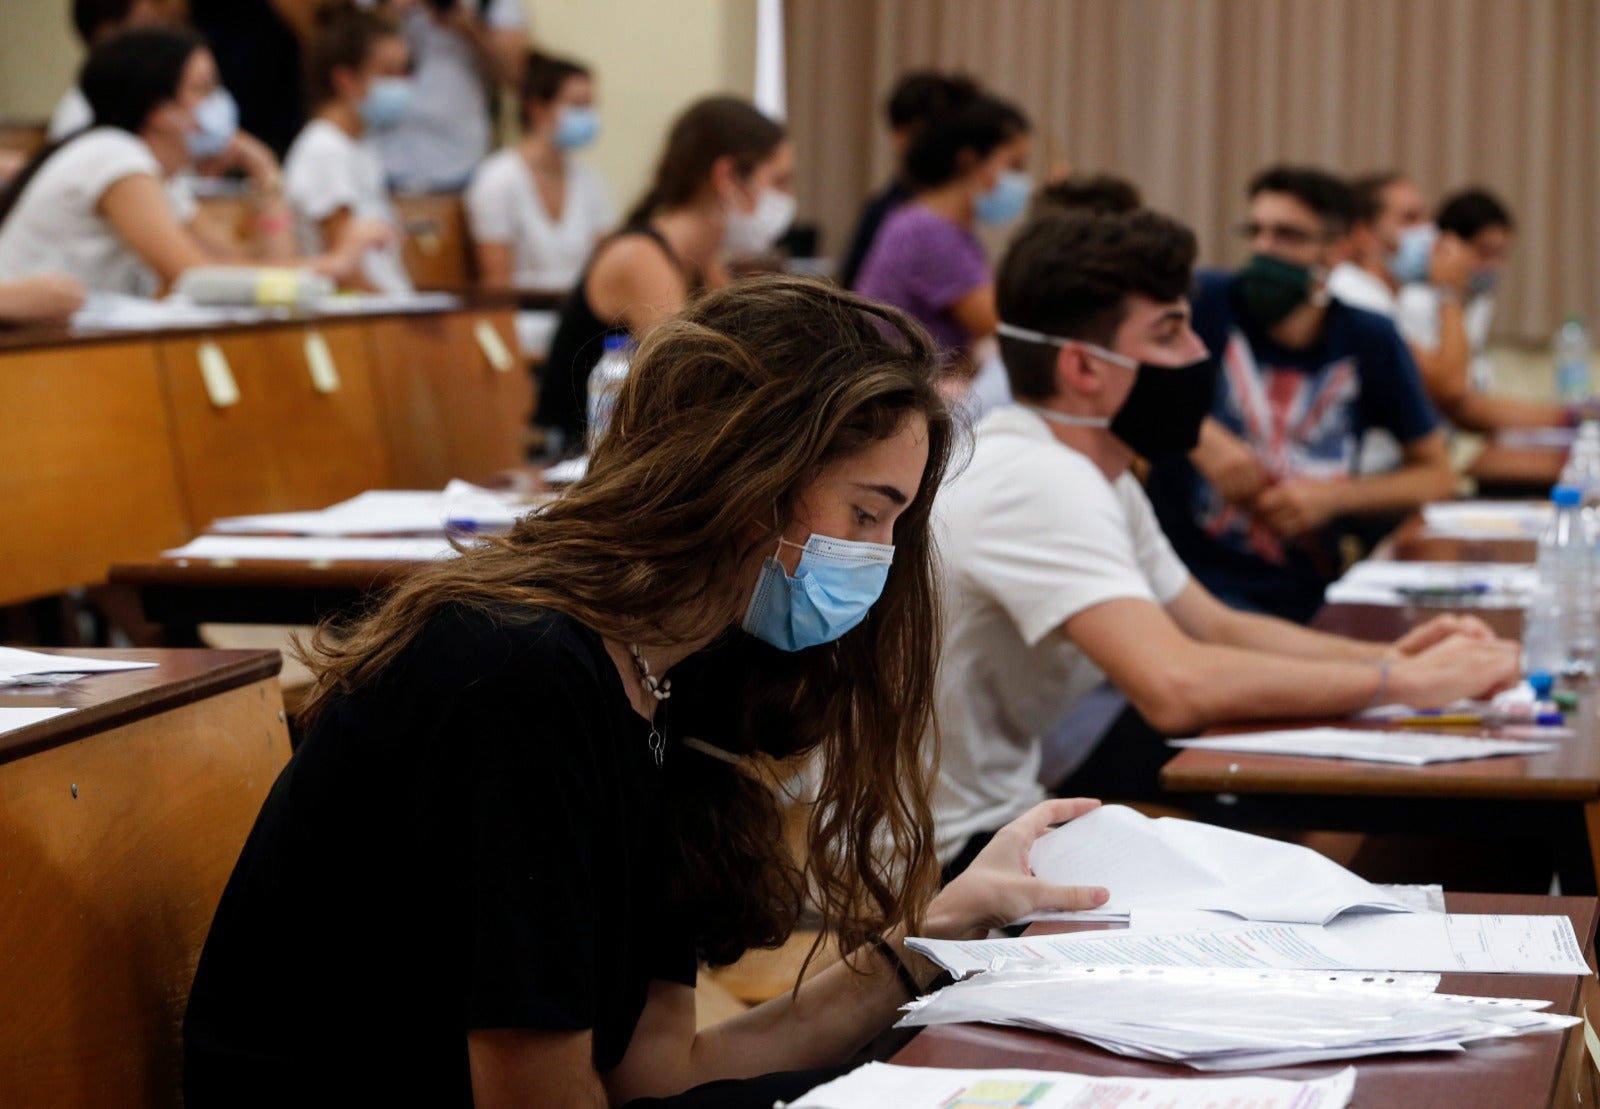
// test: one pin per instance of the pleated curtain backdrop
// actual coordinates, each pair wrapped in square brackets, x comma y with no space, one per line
[1189,97]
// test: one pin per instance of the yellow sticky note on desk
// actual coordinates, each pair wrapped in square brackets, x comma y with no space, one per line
[217,376]
[494,348]
[319,360]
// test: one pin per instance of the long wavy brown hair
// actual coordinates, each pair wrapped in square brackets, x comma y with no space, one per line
[730,410]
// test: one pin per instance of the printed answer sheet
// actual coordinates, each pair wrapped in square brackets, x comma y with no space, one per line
[460,505]
[1475,584]
[1409,942]
[1168,863]
[878,1084]
[19,667]
[1407,748]
[13,718]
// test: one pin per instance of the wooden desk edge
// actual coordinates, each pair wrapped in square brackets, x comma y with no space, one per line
[1306,781]
[243,668]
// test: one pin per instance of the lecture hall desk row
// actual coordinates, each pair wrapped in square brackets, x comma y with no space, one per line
[114,447]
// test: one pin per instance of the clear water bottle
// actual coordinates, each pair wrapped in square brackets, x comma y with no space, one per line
[1582,470]
[1542,659]
[1572,361]
[605,382]
[1566,570]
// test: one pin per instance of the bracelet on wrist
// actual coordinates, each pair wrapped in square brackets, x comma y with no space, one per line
[901,971]
[1383,684]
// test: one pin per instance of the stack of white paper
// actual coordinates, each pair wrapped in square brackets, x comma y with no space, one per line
[1487,519]
[1231,1019]
[1407,748]
[19,667]
[13,718]
[460,507]
[121,312]
[1370,941]
[297,548]
[1183,864]
[1537,438]
[876,1085]
[1453,584]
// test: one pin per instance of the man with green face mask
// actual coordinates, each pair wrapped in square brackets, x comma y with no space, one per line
[1252,510]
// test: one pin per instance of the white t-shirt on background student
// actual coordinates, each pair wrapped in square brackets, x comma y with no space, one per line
[504,206]
[1418,320]
[327,170]
[56,226]
[72,114]
[1030,533]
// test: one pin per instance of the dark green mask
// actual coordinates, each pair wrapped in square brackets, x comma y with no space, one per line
[1271,288]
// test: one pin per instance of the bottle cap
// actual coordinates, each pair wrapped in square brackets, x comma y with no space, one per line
[1550,719]
[1542,681]
[1565,496]
[617,340]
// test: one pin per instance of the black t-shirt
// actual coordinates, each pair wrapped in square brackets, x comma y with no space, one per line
[470,840]
[259,60]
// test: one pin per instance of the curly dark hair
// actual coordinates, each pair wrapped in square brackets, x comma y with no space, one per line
[1088,192]
[1326,195]
[1069,274]
[975,127]
[1469,211]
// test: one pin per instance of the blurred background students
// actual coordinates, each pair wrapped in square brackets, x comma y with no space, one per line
[968,167]
[259,46]
[916,98]
[724,184]
[333,176]
[94,207]
[47,298]
[535,211]
[462,51]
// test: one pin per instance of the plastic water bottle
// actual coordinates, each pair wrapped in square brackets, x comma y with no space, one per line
[1542,660]
[1566,570]
[605,382]
[1582,470]
[1572,361]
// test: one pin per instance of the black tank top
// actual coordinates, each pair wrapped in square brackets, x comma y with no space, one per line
[579,341]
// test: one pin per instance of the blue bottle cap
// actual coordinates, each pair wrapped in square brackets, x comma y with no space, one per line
[619,340]
[1542,682]
[1565,496]
[1550,719]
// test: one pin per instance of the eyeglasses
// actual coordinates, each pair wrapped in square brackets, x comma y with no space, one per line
[1286,233]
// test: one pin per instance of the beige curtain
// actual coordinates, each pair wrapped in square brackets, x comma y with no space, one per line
[1189,97]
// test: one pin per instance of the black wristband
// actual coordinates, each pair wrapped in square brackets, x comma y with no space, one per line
[902,972]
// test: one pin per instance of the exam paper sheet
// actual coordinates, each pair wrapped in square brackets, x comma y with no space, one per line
[1401,942]
[19,667]
[1524,520]
[460,506]
[13,718]
[1483,584]
[1404,748]
[876,1085]
[296,548]
[1168,863]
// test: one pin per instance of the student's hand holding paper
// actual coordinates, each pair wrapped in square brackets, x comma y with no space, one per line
[1454,668]
[999,887]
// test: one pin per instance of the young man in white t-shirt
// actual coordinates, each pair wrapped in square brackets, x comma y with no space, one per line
[1056,572]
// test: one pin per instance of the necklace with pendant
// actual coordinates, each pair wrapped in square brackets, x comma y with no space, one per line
[660,689]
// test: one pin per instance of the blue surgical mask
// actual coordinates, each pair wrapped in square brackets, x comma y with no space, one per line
[1408,265]
[216,122]
[1006,200]
[576,128]
[834,585]
[387,101]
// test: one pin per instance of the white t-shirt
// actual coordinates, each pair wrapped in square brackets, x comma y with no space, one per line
[1030,534]
[72,114]
[504,206]
[446,132]
[56,226]
[1418,320]
[328,170]
[1359,289]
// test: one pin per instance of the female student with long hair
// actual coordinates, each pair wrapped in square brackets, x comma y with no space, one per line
[967,167]
[357,67]
[94,206]
[523,811]
[724,184]
[537,212]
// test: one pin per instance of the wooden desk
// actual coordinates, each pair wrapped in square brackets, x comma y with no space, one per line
[1547,1069]
[112,449]
[1413,542]
[119,826]
[181,594]
[1502,471]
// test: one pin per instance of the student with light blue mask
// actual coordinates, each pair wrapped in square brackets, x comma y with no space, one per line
[531,801]
[358,70]
[537,212]
[968,166]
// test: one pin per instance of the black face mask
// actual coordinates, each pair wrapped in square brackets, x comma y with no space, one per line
[1162,415]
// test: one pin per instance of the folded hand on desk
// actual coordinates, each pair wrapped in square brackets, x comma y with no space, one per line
[1437,630]
[1455,667]
[1000,887]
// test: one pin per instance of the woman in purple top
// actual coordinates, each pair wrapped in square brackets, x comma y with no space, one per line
[968,168]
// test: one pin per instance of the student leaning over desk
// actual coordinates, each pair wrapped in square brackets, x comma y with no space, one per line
[94,206]
[523,810]
[1057,575]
